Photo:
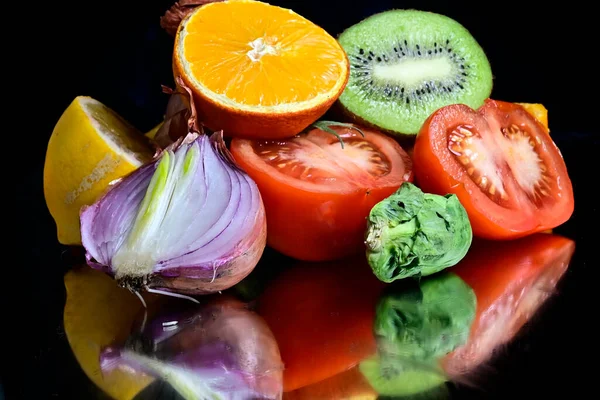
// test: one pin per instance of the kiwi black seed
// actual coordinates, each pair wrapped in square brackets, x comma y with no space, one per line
[405,64]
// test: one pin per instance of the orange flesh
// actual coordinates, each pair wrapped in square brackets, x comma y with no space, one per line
[538,111]
[260,55]
[322,160]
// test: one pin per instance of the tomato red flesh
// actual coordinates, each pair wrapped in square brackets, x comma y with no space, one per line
[318,191]
[501,163]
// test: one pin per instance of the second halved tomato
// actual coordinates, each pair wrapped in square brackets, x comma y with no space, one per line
[501,163]
[318,190]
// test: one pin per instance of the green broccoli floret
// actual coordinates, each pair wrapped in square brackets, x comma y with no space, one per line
[412,233]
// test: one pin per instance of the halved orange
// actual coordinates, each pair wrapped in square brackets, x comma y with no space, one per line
[257,70]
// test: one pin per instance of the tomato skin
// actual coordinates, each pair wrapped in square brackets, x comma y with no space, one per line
[320,225]
[322,316]
[315,226]
[511,280]
[438,171]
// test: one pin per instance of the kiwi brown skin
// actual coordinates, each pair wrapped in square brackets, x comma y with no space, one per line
[466,51]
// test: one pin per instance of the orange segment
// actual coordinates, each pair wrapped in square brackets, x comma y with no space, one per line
[538,111]
[258,70]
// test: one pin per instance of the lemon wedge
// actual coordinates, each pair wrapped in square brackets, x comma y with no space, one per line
[90,146]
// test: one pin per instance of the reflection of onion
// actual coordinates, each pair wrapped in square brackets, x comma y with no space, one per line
[189,222]
[216,350]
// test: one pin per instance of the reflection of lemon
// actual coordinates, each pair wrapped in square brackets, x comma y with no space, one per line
[90,146]
[99,313]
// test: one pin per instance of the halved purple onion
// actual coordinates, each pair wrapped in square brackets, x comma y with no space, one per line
[216,350]
[189,222]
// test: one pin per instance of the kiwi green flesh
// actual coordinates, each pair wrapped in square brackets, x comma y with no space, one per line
[407,382]
[406,64]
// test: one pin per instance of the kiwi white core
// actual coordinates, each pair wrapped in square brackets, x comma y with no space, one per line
[413,72]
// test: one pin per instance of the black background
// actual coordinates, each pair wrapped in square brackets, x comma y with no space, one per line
[117,53]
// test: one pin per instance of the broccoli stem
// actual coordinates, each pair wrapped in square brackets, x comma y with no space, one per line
[404,230]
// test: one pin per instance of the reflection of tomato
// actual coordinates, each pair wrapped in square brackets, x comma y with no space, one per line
[322,317]
[511,280]
[317,194]
[501,163]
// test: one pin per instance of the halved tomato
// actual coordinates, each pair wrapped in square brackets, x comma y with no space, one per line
[501,163]
[318,190]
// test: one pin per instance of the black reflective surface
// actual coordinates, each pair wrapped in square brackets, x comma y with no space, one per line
[321,330]
[118,54]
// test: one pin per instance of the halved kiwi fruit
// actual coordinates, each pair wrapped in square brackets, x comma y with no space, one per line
[405,64]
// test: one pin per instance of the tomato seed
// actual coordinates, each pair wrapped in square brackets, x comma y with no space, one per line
[483,182]
[464,131]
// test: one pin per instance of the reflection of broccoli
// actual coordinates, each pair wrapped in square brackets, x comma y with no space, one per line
[416,324]
[407,383]
[426,320]
[412,233]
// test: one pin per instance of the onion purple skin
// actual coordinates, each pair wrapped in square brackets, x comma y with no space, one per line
[218,340]
[106,223]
